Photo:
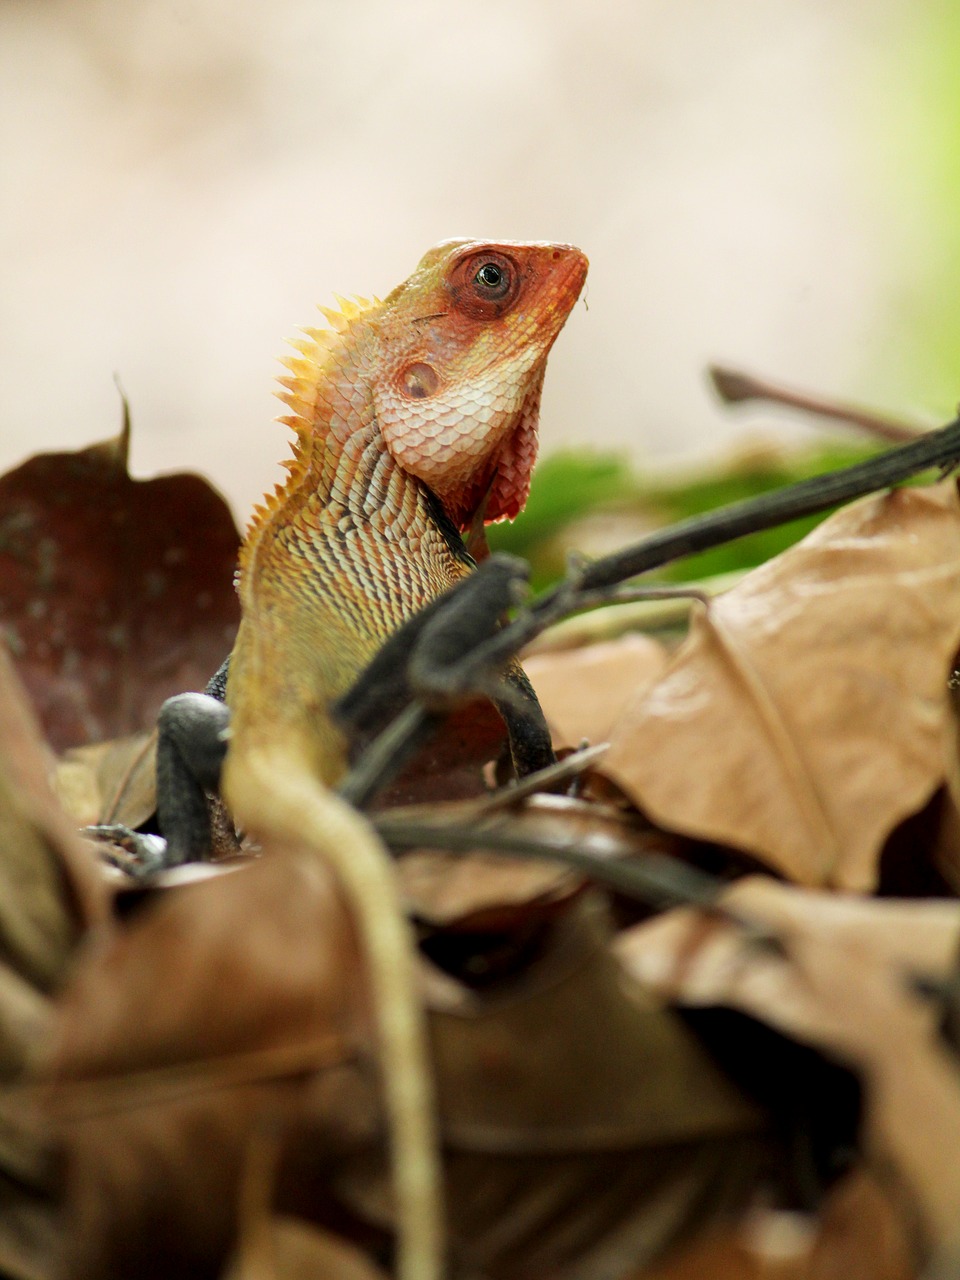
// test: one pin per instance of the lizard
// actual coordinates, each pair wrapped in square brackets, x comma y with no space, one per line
[415,420]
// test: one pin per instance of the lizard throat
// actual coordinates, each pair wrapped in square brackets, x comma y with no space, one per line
[499,491]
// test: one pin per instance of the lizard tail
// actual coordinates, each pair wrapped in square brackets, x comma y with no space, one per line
[271,794]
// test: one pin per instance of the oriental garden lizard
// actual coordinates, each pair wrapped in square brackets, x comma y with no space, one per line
[415,420]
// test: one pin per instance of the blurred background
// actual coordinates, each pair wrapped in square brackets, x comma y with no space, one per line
[769,183]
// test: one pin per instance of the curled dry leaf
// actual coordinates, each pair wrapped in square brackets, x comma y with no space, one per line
[499,1059]
[274,1246]
[850,994]
[289,1249]
[226,1006]
[582,690]
[450,765]
[585,1128]
[114,593]
[807,713]
[50,892]
[682,953]
[209,1019]
[837,982]
[50,895]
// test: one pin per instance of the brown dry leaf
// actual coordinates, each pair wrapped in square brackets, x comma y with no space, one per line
[841,985]
[50,890]
[807,713]
[874,942]
[289,1249]
[485,888]
[858,1235]
[567,1152]
[274,1246]
[584,1126]
[945,846]
[220,1007]
[680,951]
[450,766]
[583,691]
[50,895]
[499,1056]
[113,781]
[114,593]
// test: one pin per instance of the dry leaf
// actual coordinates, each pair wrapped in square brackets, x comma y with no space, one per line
[840,985]
[289,1249]
[50,891]
[50,894]
[450,765]
[858,1235]
[486,889]
[874,944]
[517,1073]
[584,1126]
[807,713]
[114,593]
[114,781]
[702,956]
[223,1006]
[577,1217]
[274,1246]
[583,691]
[569,1149]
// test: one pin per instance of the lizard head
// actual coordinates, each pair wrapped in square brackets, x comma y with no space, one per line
[462,348]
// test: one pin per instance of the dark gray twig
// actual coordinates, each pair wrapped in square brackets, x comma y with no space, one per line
[652,878]
[600,581]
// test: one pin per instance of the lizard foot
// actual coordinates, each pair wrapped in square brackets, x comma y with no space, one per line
[137,853]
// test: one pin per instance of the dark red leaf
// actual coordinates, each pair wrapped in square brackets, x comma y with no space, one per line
[114,593]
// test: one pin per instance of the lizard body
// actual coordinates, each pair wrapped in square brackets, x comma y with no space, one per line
[410,414]
[415,418]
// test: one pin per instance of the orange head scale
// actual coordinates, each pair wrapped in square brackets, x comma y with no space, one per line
[450,364]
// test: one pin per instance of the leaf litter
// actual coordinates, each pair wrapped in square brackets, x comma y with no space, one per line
[808,712]
[589,1127]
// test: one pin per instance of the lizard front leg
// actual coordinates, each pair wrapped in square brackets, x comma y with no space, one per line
[426,663]
[192,733]
[530,746]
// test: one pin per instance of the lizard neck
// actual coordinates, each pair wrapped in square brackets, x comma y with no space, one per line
[349,525]
[341,554]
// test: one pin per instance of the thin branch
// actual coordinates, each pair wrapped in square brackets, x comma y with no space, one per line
[652,878]
[595,582]
[806,498]
[570,767]
[735,387]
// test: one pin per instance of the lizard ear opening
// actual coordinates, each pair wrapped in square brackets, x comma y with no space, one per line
[419,380]
[456,440]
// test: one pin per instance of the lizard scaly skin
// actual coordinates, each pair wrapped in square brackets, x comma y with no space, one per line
[409,413]
[414,417]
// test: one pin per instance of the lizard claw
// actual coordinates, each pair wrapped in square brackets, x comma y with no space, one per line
[137,853]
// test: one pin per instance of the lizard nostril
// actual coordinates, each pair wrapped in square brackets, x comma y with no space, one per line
[419,380]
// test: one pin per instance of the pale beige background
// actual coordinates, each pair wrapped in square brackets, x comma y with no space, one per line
[183,179]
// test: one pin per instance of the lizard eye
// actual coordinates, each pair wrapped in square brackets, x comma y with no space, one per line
[484,285]
[492,279]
